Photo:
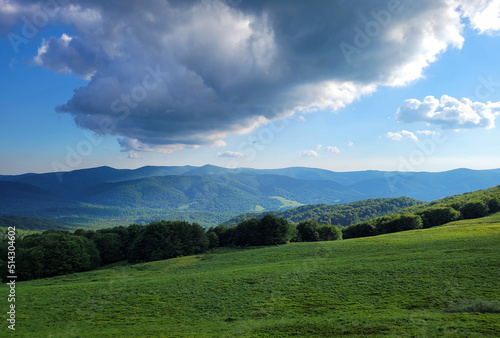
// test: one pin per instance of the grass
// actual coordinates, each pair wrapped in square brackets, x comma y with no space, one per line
[404,284]
[258,208]
[287,203]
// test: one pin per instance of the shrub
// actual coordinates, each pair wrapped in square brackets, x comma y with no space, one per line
[474,305]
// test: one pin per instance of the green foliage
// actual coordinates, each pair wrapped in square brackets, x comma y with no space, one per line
[474,305]
[337,214]
[308,231]
[435,216]
[269,230]
[165,239]
[363,229]
[31,223]
[397,285]
[494,204]
[53,253]
[469,206]
[475,209]
[110,247]
[397,222]
[329,233]
[213,240]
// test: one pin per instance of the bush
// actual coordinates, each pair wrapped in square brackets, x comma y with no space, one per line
[474,305]
[473,210]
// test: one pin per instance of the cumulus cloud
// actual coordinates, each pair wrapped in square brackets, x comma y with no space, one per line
[449,112]
[309,153]
[318,147]
[400,135]
[230,154]
[350,144]
[67,54]
[330,149]
[227,68]
[132,145]
[484,15]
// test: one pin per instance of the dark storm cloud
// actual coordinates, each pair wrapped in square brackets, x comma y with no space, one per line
[170,73]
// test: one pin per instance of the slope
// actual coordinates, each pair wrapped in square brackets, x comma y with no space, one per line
[403,284]
[336,214]
[231,192]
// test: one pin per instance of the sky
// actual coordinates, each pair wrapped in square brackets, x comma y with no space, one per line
[340,85]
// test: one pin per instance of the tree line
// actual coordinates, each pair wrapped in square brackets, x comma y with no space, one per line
[58,252]
[437,213]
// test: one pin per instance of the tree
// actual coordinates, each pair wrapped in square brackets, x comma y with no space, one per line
[110,247]
[274,230]
[494,204]
[396,223]
[475,209]
[166,239]
[308,231]
[213,240]
[54,253]
[363,229]
[432,217]
[329,233]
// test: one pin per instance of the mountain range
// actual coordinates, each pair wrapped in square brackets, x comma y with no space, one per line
[211,194]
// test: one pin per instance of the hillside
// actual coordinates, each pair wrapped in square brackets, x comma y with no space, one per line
[210,195]
[336,214]
[31,223]
[414,283]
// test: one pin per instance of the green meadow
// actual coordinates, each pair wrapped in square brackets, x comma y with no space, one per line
[442,281]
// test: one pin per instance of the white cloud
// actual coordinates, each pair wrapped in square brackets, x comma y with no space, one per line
[132,154]
[330,149]
[229,154]
[449,113]
[350,144]
[309,153]
[427,132]
[400,135]
[484,15]
[318,147]
[131,145]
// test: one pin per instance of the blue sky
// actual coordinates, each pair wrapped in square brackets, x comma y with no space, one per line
[248,84]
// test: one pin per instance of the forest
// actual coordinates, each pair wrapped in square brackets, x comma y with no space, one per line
[58,252]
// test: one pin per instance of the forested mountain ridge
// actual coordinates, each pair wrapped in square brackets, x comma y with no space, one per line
[209,194]
[336,214]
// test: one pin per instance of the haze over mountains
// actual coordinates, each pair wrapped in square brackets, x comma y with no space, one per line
[192,193]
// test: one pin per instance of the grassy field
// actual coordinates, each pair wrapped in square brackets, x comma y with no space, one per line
[287,203]
[402,284]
